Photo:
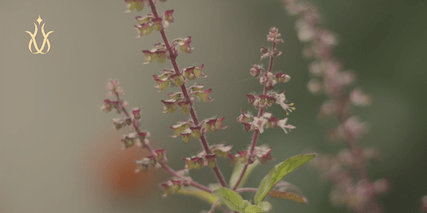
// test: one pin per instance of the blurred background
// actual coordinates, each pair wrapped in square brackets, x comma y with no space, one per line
[60,153]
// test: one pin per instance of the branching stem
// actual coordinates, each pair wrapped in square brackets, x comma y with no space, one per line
[203,140]
[163,164]
[256,132]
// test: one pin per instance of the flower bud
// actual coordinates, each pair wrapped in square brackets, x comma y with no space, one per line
[128,121]
[264,50]
[158,24]
[247,126]
[134,5]
[189,73]
[251,98]
[255,72]
[143,136]
[233,159]
[142,165]
[160,154]
[198,162]
[276,52]
[211,160]
[243,156]
[196,132]
[189,164]
[153,160]
[136,114]
[265,156]
[185,107]
[203,95]
[282,77]
[214,124]
[168,187]
[107,105]
[221,150]
[149,56]
[198,72]
[176,185]
[168,16]
[243,117]
[177,80]
[145,19]
[162,84]
[186,135]
[118,123]
[272,122]
[170,106]
[180,127]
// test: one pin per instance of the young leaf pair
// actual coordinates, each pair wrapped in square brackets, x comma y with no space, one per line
[235,202]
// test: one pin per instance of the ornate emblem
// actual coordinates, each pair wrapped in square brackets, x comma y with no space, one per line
[34,42]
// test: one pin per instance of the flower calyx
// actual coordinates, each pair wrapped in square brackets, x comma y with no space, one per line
[214,124]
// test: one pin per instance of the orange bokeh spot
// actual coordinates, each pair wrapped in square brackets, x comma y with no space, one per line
[115,169]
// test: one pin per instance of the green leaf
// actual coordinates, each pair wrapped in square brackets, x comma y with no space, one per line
[203,195]
[278,172]
[231,198]
[264,206]
[253,209]
[246,203]
[238,169]
[287,191]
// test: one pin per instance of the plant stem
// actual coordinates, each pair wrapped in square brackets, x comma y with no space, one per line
[247,190]
[212,210]
[256,132]
[203,140]
[163,164]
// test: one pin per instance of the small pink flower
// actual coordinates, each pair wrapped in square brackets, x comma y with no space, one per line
[284,126]
[114,87]
[358,98]
[282,77]
[243,117]
[168,16]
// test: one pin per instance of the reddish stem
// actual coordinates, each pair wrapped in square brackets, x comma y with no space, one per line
[256,132]
[203,140]
[163,164]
